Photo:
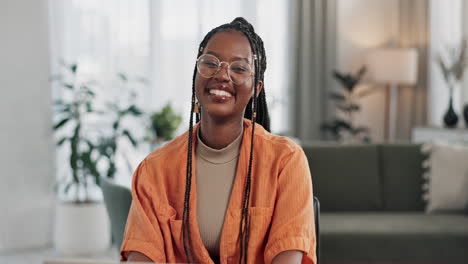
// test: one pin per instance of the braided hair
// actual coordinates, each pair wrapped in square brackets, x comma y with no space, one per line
[256,110]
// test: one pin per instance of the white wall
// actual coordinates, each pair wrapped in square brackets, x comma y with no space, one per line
[363,25]
[26,188]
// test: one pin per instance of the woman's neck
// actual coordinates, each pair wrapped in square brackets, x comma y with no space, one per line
[219,134]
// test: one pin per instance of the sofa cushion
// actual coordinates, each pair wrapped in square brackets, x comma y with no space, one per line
[448,177]
[401,170]
[345,177]
[409,237]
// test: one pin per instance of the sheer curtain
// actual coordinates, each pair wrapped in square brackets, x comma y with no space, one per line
[314,52]
[158,40]
[414,33]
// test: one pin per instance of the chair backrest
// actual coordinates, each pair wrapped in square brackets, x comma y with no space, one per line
[118,200]
[317,227]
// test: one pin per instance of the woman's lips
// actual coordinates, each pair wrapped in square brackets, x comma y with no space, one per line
[220,95]
[220,92]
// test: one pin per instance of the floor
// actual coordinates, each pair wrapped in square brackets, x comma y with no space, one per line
[37,256]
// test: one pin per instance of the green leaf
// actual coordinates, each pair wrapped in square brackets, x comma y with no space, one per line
[67,187]
[130,137]
[88,91]
[89,107]
[73,67]
[349,107]
[69,86]
[90,145]
[122,77]
[360,73]
[60,142]
[337,96]
[61,123]
[66,109]
[342,123]
[335,126]
[74,156]
[134,110]
[111,171]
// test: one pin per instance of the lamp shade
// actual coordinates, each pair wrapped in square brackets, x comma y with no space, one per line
[397,66]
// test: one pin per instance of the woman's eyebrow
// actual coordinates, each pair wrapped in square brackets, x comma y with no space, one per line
[235,58]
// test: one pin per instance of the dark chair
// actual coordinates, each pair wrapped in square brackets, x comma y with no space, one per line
[317,227]
[118,200]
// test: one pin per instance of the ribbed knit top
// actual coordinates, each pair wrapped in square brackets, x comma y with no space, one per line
[216,170]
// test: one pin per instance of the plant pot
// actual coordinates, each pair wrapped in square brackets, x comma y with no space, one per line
[81,228]
[450,117]
[465,116]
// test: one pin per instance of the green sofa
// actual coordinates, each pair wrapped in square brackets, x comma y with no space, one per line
[372,209]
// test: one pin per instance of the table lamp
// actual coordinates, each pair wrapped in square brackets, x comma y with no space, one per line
[392,67]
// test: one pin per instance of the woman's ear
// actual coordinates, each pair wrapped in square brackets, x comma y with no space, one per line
[259,87]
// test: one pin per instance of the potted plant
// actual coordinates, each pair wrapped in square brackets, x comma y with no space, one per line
[343,127]
[81,222]
[453,70]
[164,124]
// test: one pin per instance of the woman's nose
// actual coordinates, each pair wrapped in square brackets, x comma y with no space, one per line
[222,74]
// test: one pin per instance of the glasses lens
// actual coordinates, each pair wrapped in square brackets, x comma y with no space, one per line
[207,65]
[240,71]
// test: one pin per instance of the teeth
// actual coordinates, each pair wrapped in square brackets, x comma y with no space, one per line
[220,93]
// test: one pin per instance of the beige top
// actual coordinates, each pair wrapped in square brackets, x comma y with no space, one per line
[216,170]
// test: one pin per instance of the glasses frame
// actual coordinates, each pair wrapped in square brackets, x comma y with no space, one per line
[251,73]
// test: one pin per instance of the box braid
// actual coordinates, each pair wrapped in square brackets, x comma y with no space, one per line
[256,110]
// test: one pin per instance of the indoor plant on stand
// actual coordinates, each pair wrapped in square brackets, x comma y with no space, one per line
[81,222]
[164,124]
[453,72]
[343,127]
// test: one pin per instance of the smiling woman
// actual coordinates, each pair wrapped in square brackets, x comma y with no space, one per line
[248,195]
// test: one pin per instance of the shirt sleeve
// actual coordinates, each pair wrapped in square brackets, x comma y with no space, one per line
[142,231]
[292,225]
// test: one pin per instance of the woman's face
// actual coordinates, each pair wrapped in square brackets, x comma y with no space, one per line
[227,46]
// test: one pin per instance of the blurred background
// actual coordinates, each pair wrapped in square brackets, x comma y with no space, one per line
[90,87]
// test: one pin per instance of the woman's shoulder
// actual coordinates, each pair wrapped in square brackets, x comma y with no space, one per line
[165,161]
[271,142]
[170,149]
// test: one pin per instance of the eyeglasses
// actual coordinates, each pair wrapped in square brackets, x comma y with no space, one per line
[238,71]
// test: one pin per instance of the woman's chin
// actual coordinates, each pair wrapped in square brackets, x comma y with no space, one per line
[219,111]
[218,99]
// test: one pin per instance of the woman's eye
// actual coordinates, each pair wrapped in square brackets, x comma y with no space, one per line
[239,69]
[210,64]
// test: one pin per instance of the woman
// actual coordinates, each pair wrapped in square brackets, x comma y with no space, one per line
[248,195]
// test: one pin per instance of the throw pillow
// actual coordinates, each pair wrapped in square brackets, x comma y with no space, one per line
[447,175]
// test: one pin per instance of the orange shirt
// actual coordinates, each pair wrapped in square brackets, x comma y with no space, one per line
[281,203]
